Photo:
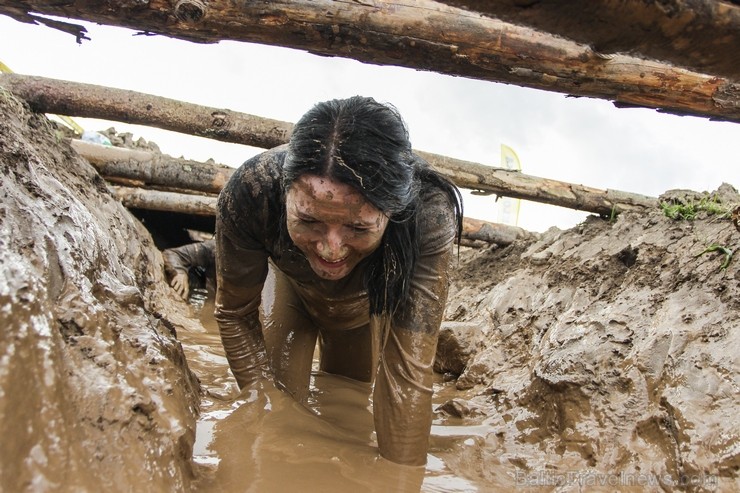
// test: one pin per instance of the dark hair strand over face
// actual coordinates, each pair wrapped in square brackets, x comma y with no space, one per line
[365,144]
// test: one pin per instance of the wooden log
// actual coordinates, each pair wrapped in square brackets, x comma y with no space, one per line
[166,171]
[157,200]
[515,184]
[61,97]
[501,234]
[700,35]
[473,243]
[423,35]
[152,168]
[476,232]
[75,99]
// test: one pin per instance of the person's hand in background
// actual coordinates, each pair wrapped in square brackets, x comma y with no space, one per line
[180,283]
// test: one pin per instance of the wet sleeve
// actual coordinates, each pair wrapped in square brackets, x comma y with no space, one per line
[180,259]
[240,275]
[402,397]
[203,254]
[241,268]
[208,256]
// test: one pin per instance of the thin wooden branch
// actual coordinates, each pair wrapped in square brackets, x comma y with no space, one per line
[423,35]
[700,35]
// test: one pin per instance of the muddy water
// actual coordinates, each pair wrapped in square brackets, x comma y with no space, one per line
[261,440]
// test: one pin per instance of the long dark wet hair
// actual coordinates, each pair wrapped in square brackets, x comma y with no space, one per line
[365,144]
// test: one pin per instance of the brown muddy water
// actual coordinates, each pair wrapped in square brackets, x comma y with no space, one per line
[261,440]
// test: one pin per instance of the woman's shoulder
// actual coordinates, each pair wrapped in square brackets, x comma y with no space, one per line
[437,203]
[260,173]
[251,201]
[436,221]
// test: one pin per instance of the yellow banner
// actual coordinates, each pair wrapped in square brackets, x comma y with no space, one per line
[508,208]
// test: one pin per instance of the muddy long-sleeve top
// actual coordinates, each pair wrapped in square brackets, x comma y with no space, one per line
[251,229]
[199,255]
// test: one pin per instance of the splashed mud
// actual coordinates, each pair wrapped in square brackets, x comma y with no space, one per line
[600,358]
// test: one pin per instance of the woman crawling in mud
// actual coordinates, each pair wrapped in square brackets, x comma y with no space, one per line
[357,233]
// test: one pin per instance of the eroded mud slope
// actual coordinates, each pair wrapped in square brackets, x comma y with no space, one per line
[95,394]
[611,348]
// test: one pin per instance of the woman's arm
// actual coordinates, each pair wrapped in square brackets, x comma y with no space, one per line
[242,223]
[403,389]
[240,277]
[178,262]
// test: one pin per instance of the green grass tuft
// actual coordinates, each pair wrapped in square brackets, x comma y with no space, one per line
[690,210]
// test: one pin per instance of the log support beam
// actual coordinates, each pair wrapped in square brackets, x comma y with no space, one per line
[152,169]
[699,35]
[423,34]
[75,99]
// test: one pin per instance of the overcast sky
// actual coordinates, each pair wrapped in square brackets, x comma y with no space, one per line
[579,140]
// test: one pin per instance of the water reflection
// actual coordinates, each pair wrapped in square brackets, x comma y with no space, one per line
[261,440]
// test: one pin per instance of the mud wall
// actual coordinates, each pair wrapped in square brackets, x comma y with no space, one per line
[95,393]
[608,352]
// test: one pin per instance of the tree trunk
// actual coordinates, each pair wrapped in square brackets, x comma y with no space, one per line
[422,35]
[700,35]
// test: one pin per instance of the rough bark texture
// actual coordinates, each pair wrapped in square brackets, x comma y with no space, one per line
[95,392]
[61,97]
[165,171]
[700,35]
[423,35]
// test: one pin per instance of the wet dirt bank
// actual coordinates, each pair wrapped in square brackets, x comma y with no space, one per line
[600,358]
[609,352]
[95,393]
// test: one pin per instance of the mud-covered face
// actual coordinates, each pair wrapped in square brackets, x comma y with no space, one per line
[332,224]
